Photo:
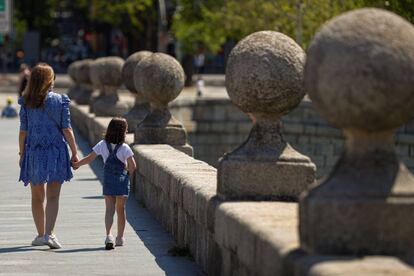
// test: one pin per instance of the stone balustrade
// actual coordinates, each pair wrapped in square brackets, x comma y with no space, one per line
[264,79]
[216,126]
[106,74]
[72,72]
[358,75]
[141,107]
[354,222]
[82,89]
[160,78]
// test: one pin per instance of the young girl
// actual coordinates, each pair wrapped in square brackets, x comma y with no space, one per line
[118,161]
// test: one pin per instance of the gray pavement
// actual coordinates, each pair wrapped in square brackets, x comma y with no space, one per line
[80,227]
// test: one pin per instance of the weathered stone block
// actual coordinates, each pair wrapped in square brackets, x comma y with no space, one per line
[343,266]
[181,227]
[260,234]
[168,135]
[187,149]
[239,179]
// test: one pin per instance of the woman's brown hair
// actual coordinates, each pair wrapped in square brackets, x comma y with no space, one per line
[41,80]
[116,131]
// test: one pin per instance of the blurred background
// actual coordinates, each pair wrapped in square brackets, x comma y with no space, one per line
[199,33]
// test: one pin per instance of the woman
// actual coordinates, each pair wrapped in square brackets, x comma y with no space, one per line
[45,131]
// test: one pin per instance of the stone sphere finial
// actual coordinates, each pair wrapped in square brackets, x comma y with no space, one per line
[82,72]
[360,68]
[94,74]
[110,71]
[84,88]
[359,75]
[73,69]
[264,74]
[141,107]
[264,79]
[160,78]
[106,75]
[129,68]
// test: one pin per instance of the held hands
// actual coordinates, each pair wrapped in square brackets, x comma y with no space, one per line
[74,160]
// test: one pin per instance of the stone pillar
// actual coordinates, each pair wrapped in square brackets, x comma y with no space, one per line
[82,75]
[264,79]
[72,72]
[160,78]
[96,84]
[141,108]
[106,73]
[359,75]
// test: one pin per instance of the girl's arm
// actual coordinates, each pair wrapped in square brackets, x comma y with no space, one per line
[88,159]
[131,165]
[70,138]
[22,138]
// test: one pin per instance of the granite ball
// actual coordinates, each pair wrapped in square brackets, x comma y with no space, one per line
[82,72]
[129,68]
[160,78]
[264,74]
[359,70]
[94,73]
[73,69]
[107,71]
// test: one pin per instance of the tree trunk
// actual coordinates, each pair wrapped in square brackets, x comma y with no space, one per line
[188,67]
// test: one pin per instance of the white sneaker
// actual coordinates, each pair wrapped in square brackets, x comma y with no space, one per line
[53,242]
[38,241]
[109,242]
[120,241]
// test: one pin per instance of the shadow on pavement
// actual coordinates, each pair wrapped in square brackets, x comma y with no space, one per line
[93,197]
[21,249]
[87,179]
[157,240]
[102,248]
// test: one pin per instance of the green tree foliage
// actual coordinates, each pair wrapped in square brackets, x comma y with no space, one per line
[212,22]
[121,13]
[34,15]
[404,8]
[129,15]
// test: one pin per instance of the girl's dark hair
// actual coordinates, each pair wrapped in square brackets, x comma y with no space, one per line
[116,131]
[40,82]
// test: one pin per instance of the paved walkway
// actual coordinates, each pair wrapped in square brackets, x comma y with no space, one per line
[80,227]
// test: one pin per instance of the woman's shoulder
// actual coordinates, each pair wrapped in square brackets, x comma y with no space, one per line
[21,100]
[57,98]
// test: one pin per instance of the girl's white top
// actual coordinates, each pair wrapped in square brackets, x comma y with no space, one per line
[123,153]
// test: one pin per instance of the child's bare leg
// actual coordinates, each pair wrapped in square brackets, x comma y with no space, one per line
[38,209]
[109,213]
[120,211]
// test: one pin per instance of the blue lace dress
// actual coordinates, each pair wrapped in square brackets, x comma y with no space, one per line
[46,155]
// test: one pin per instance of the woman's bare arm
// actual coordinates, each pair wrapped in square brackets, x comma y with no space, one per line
[88,159]
[22,138]
[70,138]
[131,165]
